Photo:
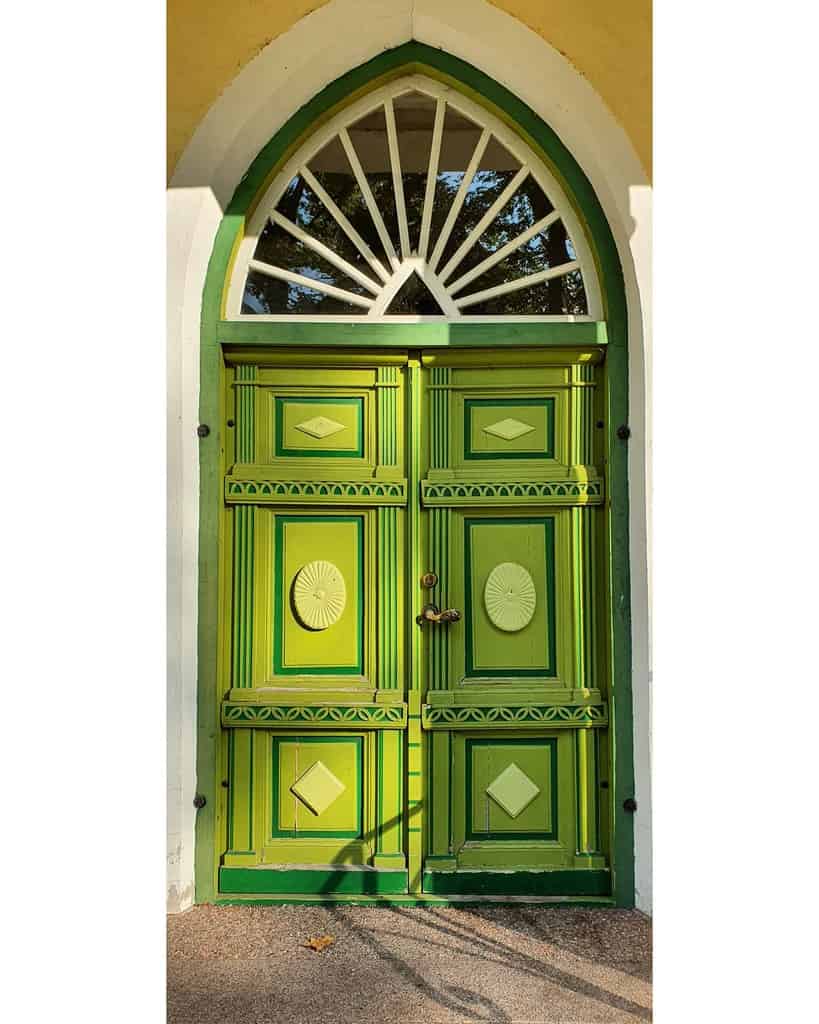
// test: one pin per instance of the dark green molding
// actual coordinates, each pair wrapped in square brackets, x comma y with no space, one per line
[307,882]
[499,403]
[429,335]
[548,524]
[279,666]
[320,453]
[414,57]
[557,882]
[474,833]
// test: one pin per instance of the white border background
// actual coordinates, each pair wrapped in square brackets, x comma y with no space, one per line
[735,513]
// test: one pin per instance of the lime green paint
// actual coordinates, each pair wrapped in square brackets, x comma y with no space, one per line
[278,716]
[543,834]
[339,649]
[292,757]
[347,413]
[416,466]
[490,651]
[609,543]
[390,602]
[512,492]
[245,416]
[240,795]
[315,492]
[486,759]
[537,414]
[243,595]
[514,716]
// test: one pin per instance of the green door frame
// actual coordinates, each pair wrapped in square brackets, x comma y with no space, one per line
[413,58]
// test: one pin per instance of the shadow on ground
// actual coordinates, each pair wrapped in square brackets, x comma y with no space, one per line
[435,964]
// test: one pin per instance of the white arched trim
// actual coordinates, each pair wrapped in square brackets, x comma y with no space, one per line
[284,76]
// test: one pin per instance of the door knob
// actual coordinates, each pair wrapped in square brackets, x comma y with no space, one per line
[430,613]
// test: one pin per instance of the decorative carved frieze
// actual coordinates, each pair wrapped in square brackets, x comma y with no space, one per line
[315,492]
[506,492]
[526,716]
[374,716]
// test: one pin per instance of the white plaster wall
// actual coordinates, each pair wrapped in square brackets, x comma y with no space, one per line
[284,76]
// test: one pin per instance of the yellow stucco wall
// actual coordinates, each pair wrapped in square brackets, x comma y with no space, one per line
[209,43]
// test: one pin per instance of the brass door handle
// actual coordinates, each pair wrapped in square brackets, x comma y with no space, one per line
[430,613]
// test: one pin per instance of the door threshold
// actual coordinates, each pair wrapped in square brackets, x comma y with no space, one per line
[410,900]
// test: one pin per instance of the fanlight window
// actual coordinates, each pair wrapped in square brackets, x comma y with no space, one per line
[414,202]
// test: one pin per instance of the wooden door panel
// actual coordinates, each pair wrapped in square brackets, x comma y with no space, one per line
[472,757]
[315,708]
[510,615]
[515,688]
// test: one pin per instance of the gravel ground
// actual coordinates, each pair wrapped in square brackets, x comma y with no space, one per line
[249,965]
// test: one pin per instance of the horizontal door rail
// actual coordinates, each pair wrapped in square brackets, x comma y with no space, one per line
[315,492]
[529,716]
[511,492]
[240,714]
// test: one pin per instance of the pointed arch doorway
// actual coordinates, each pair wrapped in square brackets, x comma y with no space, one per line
[414,344]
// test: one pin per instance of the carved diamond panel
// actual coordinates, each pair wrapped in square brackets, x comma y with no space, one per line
[508,429]
[320,427]
[317,788]
[512,790]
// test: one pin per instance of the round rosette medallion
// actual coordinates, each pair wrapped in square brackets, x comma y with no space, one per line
[509,597]
[319,594]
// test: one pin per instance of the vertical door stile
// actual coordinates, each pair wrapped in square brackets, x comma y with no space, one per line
[439,522]
[415,791]
[240,762]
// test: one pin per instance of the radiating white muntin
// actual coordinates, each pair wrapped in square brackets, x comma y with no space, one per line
[442,282]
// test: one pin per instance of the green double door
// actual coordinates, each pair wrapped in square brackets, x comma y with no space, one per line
[414,667]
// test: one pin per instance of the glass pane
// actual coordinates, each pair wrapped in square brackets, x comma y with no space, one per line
[458,141]
[414,297]
[414,121]
[369,138]
[277,247]
[495,171]
[332,168]
[301,205]
[528,205]
[267,295]
[561,295]
[549,248]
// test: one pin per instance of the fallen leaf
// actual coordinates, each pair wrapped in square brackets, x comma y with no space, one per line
[320,943]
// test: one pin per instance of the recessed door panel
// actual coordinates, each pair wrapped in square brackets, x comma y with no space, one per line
[319,427]
[320,609]
[509,428]
[509,583]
